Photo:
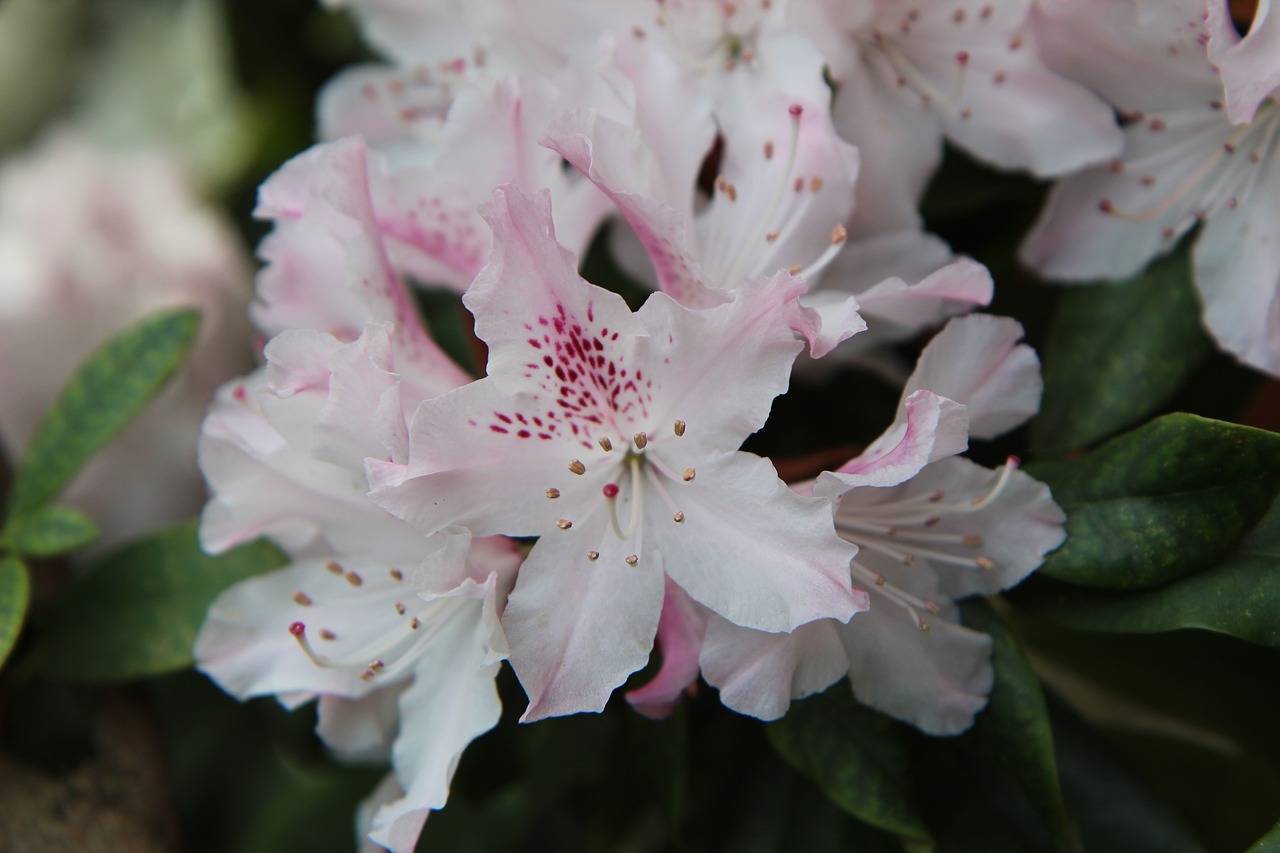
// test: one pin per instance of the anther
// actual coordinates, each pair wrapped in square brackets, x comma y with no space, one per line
[678,518]
[632,560]
[838,234]
[606,443]
[397,575]
[908,559]
[815,183]
[985,563]
[768,149]
[794,269]
[414,623]
[593,555]
[354,579]
[932,608]
[679,428]
[367,675]
[641,440]
[973,539]
[564,524]
[771,236]
[399,609]
[326,634]
[333,567]
[553,493]
[577,467]
[881,580]
[689,474]
[377,665]
[302,598]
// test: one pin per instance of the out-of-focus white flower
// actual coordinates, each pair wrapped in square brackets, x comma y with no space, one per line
[91,241]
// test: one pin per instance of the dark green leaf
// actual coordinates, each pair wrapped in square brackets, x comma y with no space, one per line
[137,611]
[1240,597]
[1117,352]
[15,592]
[1170,498]
[1014,731]
[49,530]
[1269,843]
[100,400]
[856,756]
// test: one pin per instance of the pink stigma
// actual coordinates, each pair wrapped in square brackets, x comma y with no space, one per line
[962,56]
[610,490]
[297,629]
[795,110]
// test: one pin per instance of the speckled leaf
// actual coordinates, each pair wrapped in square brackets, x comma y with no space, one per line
[1240,597]
[48,531]
[101,399]
[1269,843]
[1170,498]
[1013,731]
[15,591]
[136,611]
[856,756]
[1115,353]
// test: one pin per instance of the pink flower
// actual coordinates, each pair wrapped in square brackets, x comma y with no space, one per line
[613,436]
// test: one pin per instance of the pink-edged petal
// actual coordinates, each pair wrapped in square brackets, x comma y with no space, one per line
[928,427]
[895,308]
[327,266]
[680,628]
[1250,66]
[579,626]
[937,681]
[1237,271]
[759,674]
[452,701]
[1141,55]
[826,320]
[361,730]
[754,551]
[978,362]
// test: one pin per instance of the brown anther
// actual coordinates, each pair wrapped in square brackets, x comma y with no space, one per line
[768,149]
[908,559]
[553,493]
[678,518]
[641,440]
[973,539]
[794,269]
[577,467]
[399,609]
[593,555]
[937,496]
[815,183]
[334,567]
[838,234]
[881,580]
[985,562]
[632,560]
[606,443]
[731,191]
[367,675]
[564,524]
[771,236]
[1000,77]
[326,634]
[798,185]
[302,598]
[986,12]
[397,575]
[721,183]
[637,31]
[377,665]
[1229,147]
[414,624]
[958,16]
[679,428]
[932,608]
[1157,125]
[1015,42]
[689,474]
[354,578]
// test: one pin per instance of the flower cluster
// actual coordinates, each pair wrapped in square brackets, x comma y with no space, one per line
[586,503]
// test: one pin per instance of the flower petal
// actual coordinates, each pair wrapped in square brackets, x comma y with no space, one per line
[680,629]
[1250,66]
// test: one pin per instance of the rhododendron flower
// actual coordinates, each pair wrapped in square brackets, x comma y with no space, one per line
[90,242]
[398,632]
[931,528]
[613,436]
[1185,163]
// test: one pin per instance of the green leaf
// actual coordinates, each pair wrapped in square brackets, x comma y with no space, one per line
[1170,498]
[1115,353]
[137,611]
[1269,843]
[1239,597]
[856,756]
[15,593]
[48,531]
[101,399]
[1014,731]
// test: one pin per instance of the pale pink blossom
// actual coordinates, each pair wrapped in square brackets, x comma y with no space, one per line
[91,241]
[613,436]
[1184,164]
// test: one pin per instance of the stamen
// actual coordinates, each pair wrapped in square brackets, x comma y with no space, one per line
[553,493]
[302,598]
[354,579]
[688,475]
[564,524]
[397,575]
[399,609]
[632,560]
[641,440]
[679,428]
[678,518]
[606,443]
[593,555]
[577,467]
[334,567]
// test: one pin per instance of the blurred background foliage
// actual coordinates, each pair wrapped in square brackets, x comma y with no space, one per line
[1146,739]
